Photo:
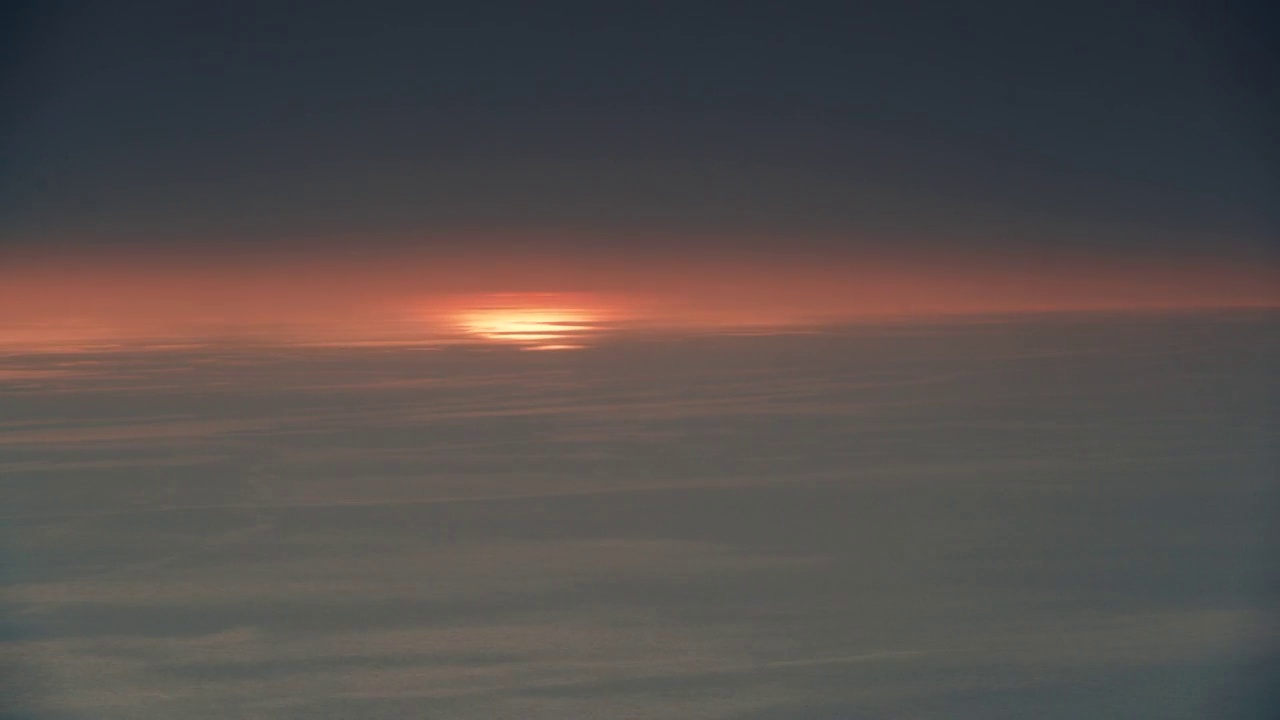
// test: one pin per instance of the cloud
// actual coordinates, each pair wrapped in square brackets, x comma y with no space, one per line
[769,528]
[456,574]
[133,433]
[525,615]
[595,660]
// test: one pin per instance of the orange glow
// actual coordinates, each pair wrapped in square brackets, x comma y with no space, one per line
[567,297]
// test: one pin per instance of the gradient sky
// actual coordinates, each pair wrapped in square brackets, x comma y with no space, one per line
[271,446]
[995,139]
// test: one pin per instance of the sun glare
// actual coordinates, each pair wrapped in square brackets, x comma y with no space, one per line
[532,321]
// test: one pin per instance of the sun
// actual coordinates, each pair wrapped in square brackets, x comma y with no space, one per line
[533,321]
[524,324]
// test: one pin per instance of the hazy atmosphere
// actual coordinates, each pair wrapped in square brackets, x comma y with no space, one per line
[650,361]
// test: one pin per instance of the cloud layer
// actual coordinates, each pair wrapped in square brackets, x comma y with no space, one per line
[1055,519]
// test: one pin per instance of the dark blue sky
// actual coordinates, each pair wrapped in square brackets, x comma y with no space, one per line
[1120,125]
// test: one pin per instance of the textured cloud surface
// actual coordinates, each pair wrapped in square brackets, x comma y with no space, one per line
[1056,518]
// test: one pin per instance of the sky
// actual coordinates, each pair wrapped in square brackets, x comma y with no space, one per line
[720,361]
[1063,155]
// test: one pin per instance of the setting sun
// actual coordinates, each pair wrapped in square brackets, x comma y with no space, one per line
[536,321]
[523,325]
